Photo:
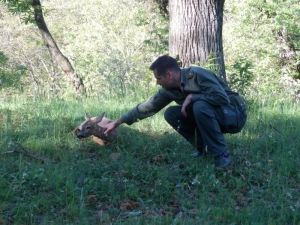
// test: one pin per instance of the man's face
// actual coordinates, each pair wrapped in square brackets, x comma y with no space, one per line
[165,81]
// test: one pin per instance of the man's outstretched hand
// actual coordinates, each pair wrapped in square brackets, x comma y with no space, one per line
[110,126]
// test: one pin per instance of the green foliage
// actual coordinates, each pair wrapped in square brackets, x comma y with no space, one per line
[111,55]
[265,34]
[16,6]
[158,39]
[242,78]
[10,77]
[163,7]
[121,60]
[3,59]
[21,7]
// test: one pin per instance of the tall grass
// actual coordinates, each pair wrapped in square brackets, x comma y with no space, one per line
[147,176]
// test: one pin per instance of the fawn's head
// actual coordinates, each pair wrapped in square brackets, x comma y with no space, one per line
[89,126]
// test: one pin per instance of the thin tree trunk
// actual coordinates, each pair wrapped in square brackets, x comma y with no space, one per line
[196,33]
[54,50]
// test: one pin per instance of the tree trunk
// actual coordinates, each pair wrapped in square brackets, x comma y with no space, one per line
[54,50]
[196,33]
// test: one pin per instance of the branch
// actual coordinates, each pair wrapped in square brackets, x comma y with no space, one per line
[275,129]
[25,152]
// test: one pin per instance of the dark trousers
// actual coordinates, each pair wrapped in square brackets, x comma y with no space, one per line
[201,127]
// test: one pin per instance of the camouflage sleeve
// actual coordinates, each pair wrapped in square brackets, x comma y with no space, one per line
[148,108]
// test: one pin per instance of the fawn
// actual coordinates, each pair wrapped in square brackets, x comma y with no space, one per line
[95,126]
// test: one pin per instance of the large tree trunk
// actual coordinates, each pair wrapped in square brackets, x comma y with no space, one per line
[196,33]
[54,50]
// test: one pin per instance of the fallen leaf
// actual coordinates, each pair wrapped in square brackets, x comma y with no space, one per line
[92,198]
[157,159]
[120,172]
[128,205]
[166,213]
[115,156]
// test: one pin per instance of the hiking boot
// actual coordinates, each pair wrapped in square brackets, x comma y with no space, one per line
[222,161]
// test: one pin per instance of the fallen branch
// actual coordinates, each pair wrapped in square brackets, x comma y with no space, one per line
[25,152]
[276,129]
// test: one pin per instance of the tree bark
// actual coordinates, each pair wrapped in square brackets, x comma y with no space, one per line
[54,50]
[195,34]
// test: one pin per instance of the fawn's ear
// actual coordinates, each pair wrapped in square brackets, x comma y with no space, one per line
[99,118]
[87,117]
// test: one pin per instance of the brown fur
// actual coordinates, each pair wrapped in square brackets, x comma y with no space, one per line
[95,126]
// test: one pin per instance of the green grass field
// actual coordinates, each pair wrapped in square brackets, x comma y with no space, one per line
[147,176]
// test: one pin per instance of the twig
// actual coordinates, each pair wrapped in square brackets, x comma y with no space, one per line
[276,129]
[25,152]
[8,152]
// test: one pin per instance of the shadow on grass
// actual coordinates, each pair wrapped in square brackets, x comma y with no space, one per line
[147,176]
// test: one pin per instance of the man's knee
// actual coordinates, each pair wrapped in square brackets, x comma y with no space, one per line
[202,109]
[170,113]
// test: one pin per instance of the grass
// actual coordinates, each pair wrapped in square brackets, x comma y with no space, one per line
[147,176]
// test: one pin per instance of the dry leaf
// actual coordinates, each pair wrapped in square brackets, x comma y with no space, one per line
[128,205]
[165,213]
[92,198]
[115,156]
[157,159]
[120,172]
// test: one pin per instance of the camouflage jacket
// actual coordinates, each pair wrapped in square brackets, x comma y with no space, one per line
[203,84]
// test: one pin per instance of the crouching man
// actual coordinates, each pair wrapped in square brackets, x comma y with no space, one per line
[206,109]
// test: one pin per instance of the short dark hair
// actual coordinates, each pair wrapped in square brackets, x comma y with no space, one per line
[164,63]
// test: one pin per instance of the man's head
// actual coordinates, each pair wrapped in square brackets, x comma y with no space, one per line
[167,72]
